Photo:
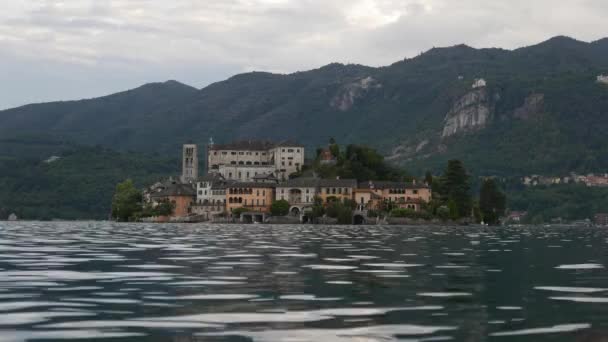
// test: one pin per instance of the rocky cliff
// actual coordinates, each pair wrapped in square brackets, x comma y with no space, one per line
[470,113]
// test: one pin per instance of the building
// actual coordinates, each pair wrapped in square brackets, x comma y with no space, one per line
[336,189]
[239,159]
[210,196]
[189,163]
[244,173]
[299,192]
[182,196]
[601,220]
[602,79]
[253,196]
[371,194]
[13,217]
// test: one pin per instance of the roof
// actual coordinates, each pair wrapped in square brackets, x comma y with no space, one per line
[300,183]
[253,145]
[391,185]
[338,183]
[211,177]
[264,176]
[176,189]
[251,185]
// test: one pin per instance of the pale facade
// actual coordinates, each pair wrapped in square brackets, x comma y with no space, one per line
[280,159]
[189,163]
[403,195]
[244,173]
[288,159]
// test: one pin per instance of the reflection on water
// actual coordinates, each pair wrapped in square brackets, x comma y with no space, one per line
[136,282]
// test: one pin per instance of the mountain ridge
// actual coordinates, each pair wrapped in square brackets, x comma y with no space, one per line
[402,105]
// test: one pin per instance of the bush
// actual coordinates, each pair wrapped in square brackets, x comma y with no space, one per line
[279,208]
[238,211]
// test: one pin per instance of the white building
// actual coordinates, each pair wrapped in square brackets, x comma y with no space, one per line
[602,79]
[479,83]
[234,160]
[244,173]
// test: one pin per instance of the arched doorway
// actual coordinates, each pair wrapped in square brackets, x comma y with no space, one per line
[358,219]
[295,211]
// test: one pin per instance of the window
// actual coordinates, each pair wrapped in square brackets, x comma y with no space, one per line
[200,192]
[327,191]
[263,202]
[290,150]
[233,153]
[247,174]
[240,174]
[258,193]
[415,192]
[263,192]
[290,163]
[257,153]
[283,163]
[205,192]
[232,163]
[283,150]
[230,175]
[307,191]
[298,151]
[248,163]
[224,153]
[263,153]
[241,153]
[258,202]
[241,163]
[256,163]
[340,191]
[215,153]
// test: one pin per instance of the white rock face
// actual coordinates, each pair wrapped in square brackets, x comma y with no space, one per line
[346,97]
[479,83]
[602,79]
[470,113]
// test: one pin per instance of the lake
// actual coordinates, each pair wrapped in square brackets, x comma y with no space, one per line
[103,281]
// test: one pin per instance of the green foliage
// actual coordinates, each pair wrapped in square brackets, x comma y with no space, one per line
[492,202]
[455,190]
[567,201]
[126,202]
[358,162]
[318,209]
[237,212]
[443,213]
[343,211]
[79,185]
[279,208]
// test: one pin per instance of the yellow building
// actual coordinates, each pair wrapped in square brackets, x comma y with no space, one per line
[251,196]
[336,189]
[401,195]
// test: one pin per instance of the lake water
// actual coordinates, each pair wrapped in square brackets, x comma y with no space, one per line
[135,282]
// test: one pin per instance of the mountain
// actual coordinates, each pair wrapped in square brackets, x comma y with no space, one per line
[542,110]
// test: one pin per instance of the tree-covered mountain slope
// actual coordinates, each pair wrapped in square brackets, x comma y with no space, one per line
[541,110]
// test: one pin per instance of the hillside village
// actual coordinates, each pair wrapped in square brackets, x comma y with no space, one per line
[243,180]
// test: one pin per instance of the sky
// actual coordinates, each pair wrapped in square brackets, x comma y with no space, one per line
[71,49]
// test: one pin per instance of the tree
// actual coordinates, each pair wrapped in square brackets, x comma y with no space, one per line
[126,202]
[279,208]
[428,178]
[492,202]
[236,212]
[318,210]
[455,190]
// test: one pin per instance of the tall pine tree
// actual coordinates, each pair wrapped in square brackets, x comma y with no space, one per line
[492,202]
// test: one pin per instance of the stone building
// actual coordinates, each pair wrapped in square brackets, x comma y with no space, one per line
[253,196]
[244,173]
[182,196]
[189,163]
[336,189]
[400,194]
[239,158]
[299,192]
[210,196]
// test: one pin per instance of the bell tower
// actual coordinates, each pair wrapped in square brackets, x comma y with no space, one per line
[189,163]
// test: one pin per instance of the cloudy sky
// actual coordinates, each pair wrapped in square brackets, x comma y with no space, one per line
[70,49]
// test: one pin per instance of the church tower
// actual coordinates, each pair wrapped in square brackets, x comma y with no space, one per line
[189,163]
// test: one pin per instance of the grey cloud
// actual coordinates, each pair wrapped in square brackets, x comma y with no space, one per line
[204,41]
